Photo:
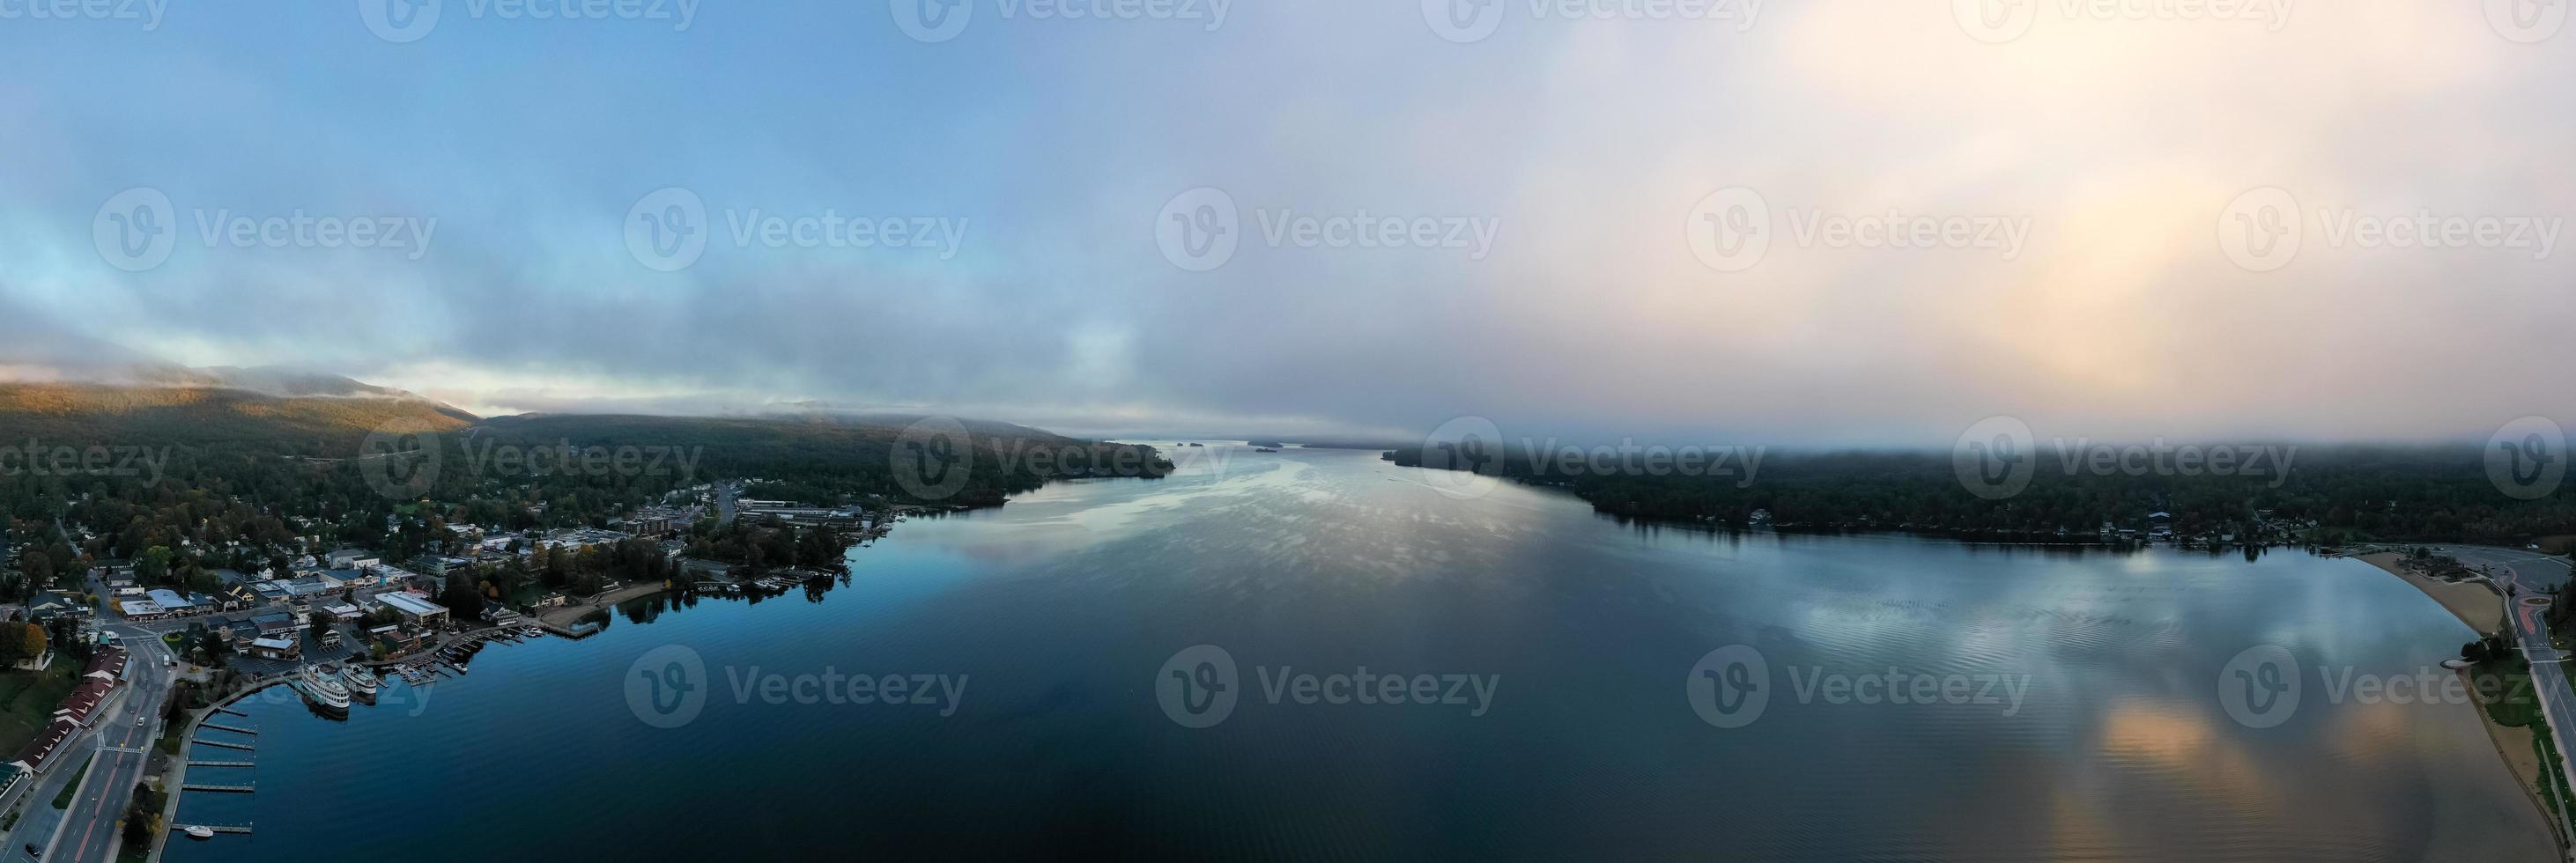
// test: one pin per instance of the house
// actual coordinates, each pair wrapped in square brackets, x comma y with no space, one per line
[52,604]
[343,612]
[235,597]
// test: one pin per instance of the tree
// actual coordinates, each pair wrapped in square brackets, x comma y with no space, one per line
[39,571]
[31,640]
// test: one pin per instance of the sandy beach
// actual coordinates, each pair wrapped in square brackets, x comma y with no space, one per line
[2474,603]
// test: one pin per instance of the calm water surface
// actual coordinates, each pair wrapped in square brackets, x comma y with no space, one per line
[1062,608]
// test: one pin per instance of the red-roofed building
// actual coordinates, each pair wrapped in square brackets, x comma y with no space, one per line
[83,703]
[41,751]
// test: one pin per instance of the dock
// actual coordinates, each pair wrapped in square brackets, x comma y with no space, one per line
[221,744]
[221,764]
[230,728]
[226,789]
[229,710]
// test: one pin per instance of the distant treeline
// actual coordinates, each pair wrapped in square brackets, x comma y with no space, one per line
[2353,492]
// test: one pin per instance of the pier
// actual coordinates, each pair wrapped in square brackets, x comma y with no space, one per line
[230,711]
[230,728]
[245,747]
[225,789]
[221,764]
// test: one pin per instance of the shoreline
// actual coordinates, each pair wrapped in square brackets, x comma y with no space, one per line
[2475,603]
[2478,606]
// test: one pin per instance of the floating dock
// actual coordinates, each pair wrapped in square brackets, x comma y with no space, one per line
[230,728]
[245,747]
[225,789]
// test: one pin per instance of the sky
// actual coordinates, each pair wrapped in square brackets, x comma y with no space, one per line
[1710,222]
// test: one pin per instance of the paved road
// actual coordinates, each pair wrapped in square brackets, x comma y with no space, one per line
[86,832]
[2525,577]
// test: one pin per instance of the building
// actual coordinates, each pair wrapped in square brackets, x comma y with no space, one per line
[343,612]
[170,601]
[274,623]
[276,648]
[350,558]
[140,609]
[413,609]
[52,604]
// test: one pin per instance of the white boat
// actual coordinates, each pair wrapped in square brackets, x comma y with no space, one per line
[199,831]
[359,680]
[322,689]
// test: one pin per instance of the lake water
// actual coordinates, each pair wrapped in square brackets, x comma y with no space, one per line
[1062,609]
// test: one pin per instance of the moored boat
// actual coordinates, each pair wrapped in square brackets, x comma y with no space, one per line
[198,831]
[359,680]
[322,688]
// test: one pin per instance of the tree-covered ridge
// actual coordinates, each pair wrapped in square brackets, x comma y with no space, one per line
[2352,492]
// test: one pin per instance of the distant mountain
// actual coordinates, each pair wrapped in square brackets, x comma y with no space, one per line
[208,413]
